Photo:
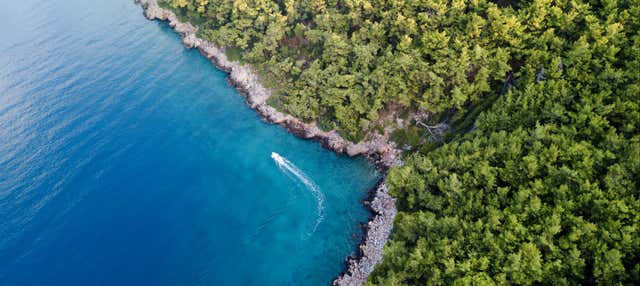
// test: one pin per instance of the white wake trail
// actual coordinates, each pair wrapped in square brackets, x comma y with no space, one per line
[288,167]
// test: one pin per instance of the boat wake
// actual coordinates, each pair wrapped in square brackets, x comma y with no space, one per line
[291,170]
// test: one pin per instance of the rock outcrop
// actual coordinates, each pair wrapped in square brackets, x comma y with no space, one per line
[377,147]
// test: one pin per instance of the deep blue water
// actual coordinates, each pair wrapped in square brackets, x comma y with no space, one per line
[126,159]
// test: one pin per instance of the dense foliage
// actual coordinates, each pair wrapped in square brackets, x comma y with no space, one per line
[542,189]
[343,63]
[545,189]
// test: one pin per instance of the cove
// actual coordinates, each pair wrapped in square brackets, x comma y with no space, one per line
[126,159]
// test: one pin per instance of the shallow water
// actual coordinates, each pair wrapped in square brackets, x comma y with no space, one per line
[126,159]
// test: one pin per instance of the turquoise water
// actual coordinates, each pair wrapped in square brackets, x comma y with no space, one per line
[126,159]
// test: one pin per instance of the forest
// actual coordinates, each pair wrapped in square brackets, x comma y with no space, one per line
[536,181]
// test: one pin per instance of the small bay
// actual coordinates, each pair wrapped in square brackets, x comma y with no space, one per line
[126,159]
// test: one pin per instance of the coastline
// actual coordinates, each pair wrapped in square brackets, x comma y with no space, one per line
[376,148]
[375,235]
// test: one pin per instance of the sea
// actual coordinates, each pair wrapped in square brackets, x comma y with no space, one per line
[127,159]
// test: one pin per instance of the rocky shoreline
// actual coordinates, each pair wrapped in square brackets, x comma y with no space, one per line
[376,148]
[376,233]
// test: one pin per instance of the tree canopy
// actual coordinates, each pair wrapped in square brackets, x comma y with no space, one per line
[538,181]
[544,189]
[342,63]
